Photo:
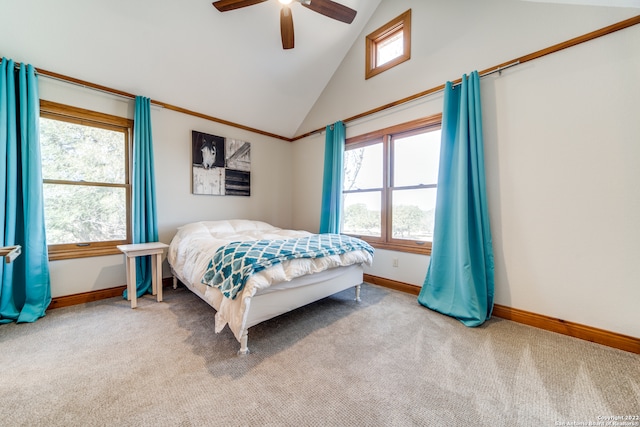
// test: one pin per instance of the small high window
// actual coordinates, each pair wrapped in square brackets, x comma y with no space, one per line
[389,45]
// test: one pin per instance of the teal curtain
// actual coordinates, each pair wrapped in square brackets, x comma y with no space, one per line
[145,222]
[331,209]
[460,278]
[25,292]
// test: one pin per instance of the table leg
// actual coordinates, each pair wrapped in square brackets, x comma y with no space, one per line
[126,269]
[131,282]
[159,266]
[157,275]
[154,276]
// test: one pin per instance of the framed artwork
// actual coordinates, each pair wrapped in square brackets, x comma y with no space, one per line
[220,166]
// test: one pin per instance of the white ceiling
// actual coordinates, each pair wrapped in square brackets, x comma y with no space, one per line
[228,65]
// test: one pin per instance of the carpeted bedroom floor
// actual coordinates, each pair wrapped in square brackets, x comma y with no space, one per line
[386,361]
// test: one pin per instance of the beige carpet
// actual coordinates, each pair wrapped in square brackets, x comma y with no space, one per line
[386,361]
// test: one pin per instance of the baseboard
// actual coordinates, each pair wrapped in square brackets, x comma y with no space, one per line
[576,330]
[392,284]
[84,297]
[588,333]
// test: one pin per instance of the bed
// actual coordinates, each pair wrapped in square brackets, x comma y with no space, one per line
[279,284]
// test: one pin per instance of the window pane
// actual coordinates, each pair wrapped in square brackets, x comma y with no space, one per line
[413,214]
[74,152]
[390,48]
[416,159]
[362,213]
[78,213]
[363,167]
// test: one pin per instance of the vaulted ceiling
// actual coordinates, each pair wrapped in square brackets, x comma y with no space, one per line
[186,53]
[228,65]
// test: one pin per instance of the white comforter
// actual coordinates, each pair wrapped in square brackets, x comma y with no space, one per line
[195,244]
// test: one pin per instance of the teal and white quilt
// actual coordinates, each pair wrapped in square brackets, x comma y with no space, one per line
[194,246]
[234,263]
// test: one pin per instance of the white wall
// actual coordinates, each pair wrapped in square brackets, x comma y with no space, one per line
[562,143]
[270,198]
[561,137]
[450,38]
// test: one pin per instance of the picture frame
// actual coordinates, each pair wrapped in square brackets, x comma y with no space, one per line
[220,166]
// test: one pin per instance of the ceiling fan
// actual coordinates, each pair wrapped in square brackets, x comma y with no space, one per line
[325,7]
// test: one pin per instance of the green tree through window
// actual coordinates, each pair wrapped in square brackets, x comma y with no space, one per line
[85,180]
[390,185]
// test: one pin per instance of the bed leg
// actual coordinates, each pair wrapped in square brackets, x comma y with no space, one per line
[244,350]
[175,282]
[358,293]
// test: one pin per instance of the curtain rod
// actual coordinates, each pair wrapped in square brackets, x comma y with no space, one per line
[92,86]
[111,91]
[421,95]
[495,69]
[412,98]
[77,82]
[159,104]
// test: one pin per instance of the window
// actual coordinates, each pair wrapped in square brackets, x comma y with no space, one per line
[389,45]
[390,184]
[85,171]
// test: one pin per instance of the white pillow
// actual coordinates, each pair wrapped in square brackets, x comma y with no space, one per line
[227,226]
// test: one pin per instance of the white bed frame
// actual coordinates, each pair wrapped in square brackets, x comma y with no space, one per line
[276,301]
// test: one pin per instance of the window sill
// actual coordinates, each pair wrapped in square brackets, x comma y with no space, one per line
[62,254]
[414,248]
[411,246]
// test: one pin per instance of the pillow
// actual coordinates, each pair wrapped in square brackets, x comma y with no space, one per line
[227,226]
[240,225]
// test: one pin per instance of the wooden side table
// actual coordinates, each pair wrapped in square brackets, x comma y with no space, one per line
[155,249]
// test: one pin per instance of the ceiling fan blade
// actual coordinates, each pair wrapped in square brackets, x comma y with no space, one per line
[286,27]
[331,9]
[226,5]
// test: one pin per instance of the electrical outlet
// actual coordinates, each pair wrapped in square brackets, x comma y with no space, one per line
[395,262]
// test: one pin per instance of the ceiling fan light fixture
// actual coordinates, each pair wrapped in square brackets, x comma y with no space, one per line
[328,8]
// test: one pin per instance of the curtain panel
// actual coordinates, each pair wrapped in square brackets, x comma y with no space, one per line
[25,292]
[331,210]
[145,222]
[460,277]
